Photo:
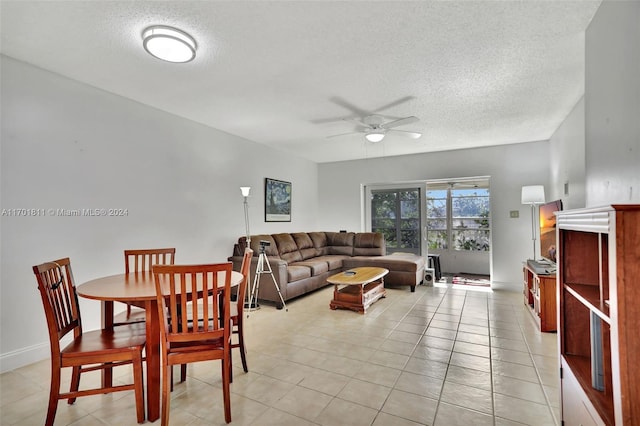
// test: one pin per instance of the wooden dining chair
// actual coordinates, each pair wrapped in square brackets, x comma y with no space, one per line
[87,351]
[199,336]
[237,310]
[141,261]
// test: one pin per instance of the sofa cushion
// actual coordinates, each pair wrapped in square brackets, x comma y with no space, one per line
[340,243]
[334,261]
[319,242]
[270,250]
[369,244]
[287,248]
[405,262]
[317,267]
[298,272]
[305,245]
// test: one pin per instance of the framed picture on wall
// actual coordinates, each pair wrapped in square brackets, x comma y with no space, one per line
[277,200]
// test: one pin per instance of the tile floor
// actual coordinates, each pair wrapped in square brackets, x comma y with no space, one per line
[439,356]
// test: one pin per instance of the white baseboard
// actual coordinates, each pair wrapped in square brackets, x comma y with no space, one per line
[24,356]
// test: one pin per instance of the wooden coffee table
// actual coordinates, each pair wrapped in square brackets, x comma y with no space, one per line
[357,288]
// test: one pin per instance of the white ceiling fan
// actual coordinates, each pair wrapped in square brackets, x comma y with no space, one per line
[375,128]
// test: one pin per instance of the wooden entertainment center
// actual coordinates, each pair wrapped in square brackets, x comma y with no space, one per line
[540,297]
[599,315]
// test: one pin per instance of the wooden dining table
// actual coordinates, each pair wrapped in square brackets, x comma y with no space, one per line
[136,287]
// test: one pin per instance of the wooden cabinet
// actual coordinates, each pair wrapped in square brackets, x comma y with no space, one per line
[540,296]
[599,314]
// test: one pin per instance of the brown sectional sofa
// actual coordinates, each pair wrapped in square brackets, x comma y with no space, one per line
[302,261]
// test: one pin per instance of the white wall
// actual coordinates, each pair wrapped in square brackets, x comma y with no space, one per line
[68,145]
[509,166]
[567,156]
[612,104]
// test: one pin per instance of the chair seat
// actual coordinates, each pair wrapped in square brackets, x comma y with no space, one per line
[96,342]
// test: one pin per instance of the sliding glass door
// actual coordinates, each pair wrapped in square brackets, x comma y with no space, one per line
[398,215]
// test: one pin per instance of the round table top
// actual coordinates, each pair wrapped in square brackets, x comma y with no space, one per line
[358,276]
[135,286]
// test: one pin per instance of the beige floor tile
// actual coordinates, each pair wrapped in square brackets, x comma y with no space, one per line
[411,407]
[426,367]
[389,359]
[451,415]
[302,402]
[419,384]
[404,336]
[519,389]
[517,371]
[436,342]
[291,372]
[471,361]
[325,382]
[341,412]
[274,417]
[469,377]
[384,419]
[341,365]
[515,345]
[469,397]
[477,339]
[398,347]
[472,349]
[444,324]
[474,328]
[365,393]
[379,374]
[508,355]
[522,411]
[442,333]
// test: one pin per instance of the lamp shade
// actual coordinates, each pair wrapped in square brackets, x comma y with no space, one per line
[374,136]
[533,194]
[245,190]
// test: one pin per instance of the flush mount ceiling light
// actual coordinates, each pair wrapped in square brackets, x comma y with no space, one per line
[169,44]
[374,136]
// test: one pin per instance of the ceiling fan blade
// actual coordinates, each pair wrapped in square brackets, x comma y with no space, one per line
[412,135]
[354,109]
[359,122]
[342,134]
[394,103]
[400,122]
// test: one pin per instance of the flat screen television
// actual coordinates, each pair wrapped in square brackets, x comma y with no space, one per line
[548,229]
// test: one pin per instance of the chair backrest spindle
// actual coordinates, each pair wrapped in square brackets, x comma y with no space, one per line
[59,298]
[144,259]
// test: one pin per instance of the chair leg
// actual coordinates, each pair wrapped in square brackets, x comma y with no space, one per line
[183,373]
[226,367]
[242,353]
[75,383]
[166,395]
[54,392]
[139,386]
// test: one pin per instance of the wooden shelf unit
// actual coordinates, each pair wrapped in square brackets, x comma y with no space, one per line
[599,314]
[540,297]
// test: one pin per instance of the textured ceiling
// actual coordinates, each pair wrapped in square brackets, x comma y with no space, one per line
[286,74]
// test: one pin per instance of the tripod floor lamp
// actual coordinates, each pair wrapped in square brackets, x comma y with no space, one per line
[246,190]
[534,196]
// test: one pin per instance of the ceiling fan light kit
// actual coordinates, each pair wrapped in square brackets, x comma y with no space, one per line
[169,44]
[374,136]
[375,128]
